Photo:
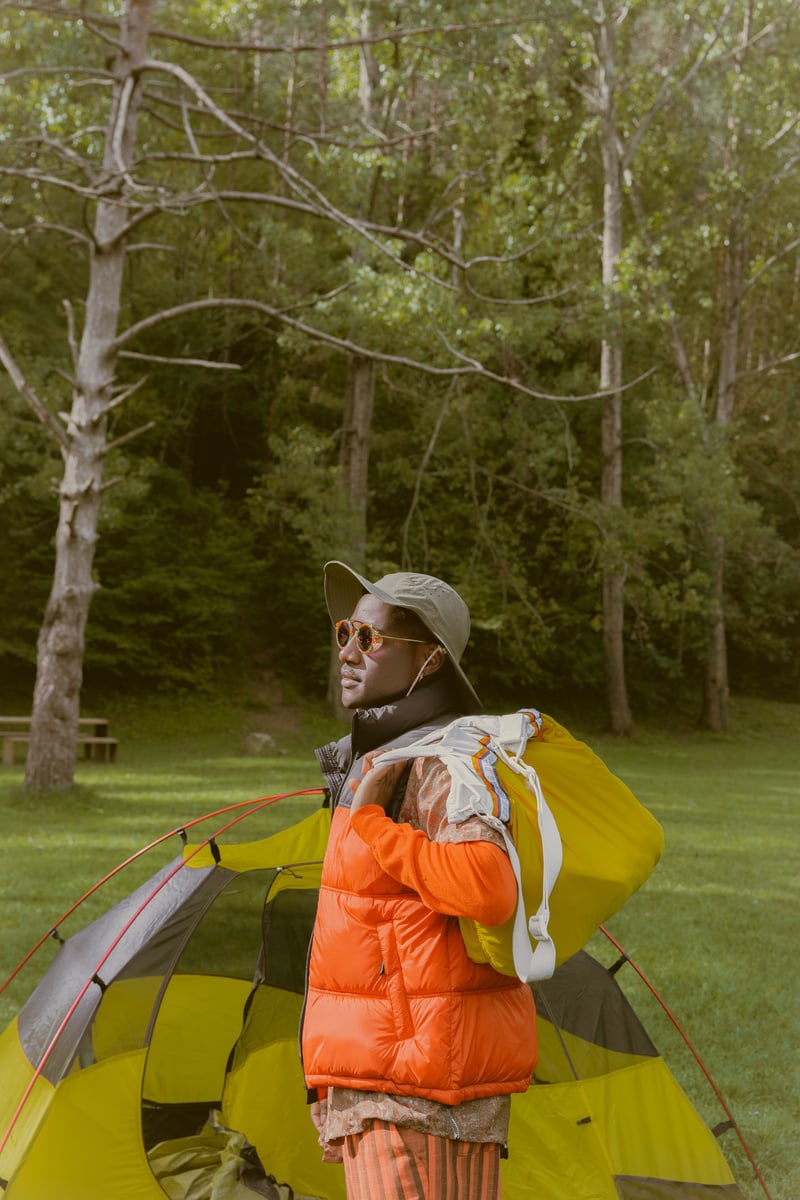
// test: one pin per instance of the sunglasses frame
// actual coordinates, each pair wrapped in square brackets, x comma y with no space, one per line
[377,635]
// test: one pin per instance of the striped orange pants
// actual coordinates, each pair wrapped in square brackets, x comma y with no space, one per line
[387,1162]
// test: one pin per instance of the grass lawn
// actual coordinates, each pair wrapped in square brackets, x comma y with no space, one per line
[715,928]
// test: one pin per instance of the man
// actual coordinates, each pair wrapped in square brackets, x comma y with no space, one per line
[411,1049]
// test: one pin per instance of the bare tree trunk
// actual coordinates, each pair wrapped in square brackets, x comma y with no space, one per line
[716,685]
[368,73]
[323,68]
[619,712]
[354,451]
[716,690]
[59,670]
[359,400]
[354,464]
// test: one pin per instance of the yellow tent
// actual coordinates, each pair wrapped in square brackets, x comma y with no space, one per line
[183,1001]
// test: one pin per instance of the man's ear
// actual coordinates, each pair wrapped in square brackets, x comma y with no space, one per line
[433,660]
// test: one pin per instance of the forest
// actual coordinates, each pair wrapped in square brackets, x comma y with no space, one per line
[506,293]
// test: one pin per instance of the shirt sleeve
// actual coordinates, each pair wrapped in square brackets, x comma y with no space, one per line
[425,807]
[463,879]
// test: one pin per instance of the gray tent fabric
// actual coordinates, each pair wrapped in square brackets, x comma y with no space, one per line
[154,921]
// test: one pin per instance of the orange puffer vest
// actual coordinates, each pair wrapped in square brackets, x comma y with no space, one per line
[393,1003]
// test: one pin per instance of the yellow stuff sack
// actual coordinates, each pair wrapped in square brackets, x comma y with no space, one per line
[578,839]
[610,845]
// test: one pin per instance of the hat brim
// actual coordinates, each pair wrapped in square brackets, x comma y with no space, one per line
[344,587]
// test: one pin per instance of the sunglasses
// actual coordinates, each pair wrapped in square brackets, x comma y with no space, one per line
[368,638]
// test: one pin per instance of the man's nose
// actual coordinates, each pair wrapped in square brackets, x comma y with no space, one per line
[350,652]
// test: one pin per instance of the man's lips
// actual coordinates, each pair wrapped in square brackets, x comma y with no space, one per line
[348,680]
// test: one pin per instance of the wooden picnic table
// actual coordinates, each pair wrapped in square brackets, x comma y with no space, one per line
[96,744]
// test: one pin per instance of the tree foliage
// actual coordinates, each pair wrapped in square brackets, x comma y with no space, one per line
[381,180]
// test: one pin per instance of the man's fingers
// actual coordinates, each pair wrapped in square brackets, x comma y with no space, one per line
[377,785]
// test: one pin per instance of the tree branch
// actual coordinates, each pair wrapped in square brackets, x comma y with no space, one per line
[38,227]
[311,201]
[770,262]
[470,366]
[123,394]
[423,464]
[400,234]
[155,101]
[26,391]
[96,22]
[523,302]
[293,179]
[669,86]
[72,339]
[127,437]
[183,362]
[767,368]
[91,72]
[41,177]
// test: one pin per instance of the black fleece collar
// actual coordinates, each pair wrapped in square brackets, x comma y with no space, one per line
[399,721]
[373,727]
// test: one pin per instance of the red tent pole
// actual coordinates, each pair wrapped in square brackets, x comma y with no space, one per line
[52,931]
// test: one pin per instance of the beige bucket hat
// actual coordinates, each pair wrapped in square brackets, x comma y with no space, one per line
[438,605]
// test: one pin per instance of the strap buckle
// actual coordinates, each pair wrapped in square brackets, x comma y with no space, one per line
[537,925]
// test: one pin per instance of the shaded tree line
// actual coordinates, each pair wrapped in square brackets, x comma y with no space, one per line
[511,299]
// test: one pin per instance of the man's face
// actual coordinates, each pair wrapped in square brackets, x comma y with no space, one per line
[372,679]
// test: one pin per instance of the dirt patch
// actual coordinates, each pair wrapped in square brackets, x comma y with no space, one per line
[268,710]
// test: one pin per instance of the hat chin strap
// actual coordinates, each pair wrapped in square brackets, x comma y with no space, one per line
[421,671]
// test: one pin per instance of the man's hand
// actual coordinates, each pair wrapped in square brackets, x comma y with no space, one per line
[319,1111]
[331,1151]
[378,783]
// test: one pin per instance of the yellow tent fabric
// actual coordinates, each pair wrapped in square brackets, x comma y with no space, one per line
[16,1075]
[199,1011]
[196,1011]
[90,1141]
[303,842]
[276,1119]
[571,1141]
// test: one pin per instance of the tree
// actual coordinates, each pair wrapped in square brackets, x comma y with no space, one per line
[611,361]
[619,148]
[83,442]
[383,238]
[208,156]
[736,183]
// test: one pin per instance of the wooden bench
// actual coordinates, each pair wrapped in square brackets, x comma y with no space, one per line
[97,745]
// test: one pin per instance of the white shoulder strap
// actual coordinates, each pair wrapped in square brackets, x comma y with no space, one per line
[469,748]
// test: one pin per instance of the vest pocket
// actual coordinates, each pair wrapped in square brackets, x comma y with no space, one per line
[391,977]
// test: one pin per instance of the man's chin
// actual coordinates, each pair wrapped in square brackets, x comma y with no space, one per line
[350,695]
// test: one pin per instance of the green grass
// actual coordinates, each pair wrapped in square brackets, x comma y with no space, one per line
[714,929]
